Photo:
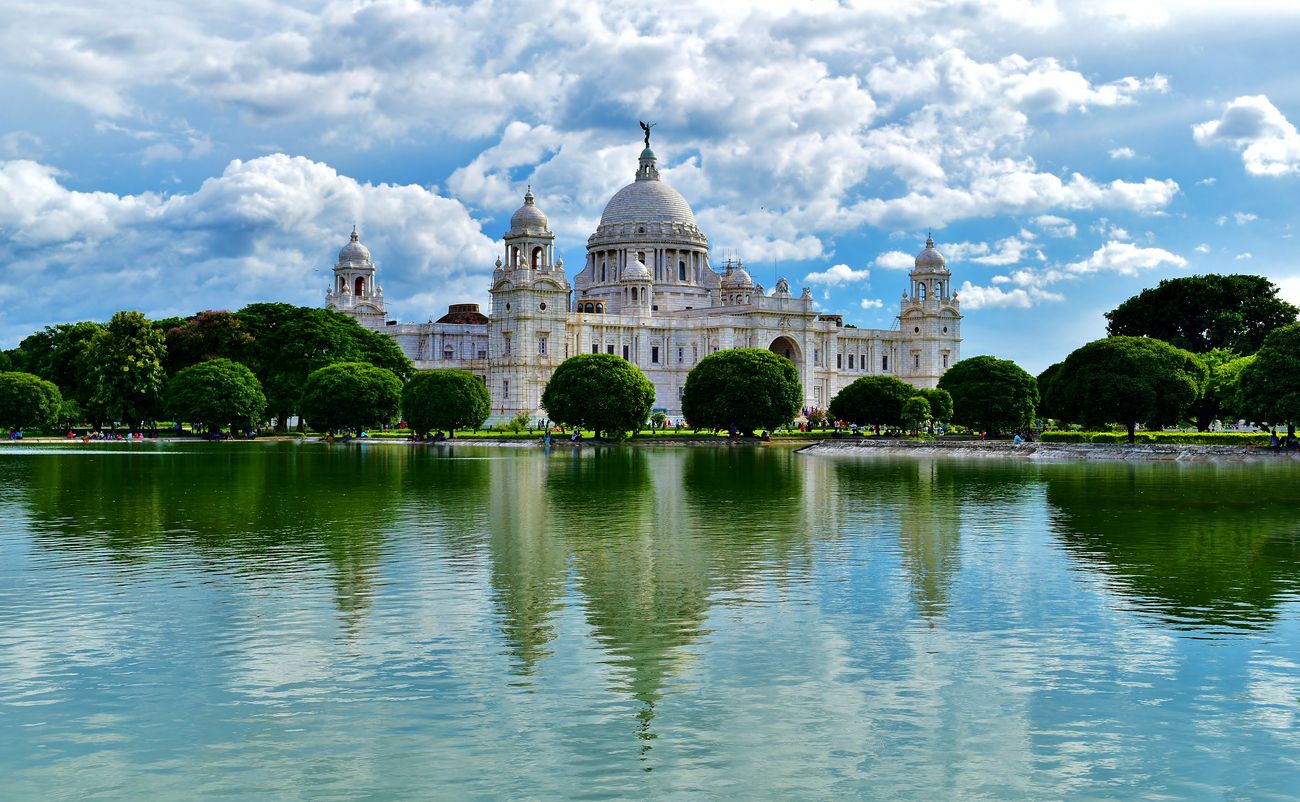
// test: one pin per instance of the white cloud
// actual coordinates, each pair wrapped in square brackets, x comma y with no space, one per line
[268,228]
[838,276]
[1243,218]
[1268,142]
[1203,248]
[1125,258]
[1221,220]
[1053,226]
[872,303]
[1123,153]
[1207,182]
[895,260]
[1242,257]
[975,297]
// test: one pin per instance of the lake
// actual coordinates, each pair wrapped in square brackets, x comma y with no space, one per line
[385,621]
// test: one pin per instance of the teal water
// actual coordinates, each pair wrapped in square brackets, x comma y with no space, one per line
[377,621]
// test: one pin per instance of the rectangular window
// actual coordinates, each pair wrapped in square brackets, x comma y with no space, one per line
[505,388]
[839,361]
[945,361]
[482,354]
[817,356]
[850,361]
[916,361]
[507,343]
[609,348]
[625,352]
[681,356]
[884,364]
[541,346]
[595,348]
[654,354]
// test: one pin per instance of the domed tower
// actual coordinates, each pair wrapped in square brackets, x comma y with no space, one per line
[354,291]
[638,286]
[737,285]
[530,302]
[929,320]
[649,222]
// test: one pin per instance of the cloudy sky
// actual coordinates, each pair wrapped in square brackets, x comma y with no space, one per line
[171,158]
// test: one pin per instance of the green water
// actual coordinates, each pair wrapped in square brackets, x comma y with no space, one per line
[381,621]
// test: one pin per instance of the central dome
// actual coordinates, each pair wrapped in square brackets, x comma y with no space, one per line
[647,201]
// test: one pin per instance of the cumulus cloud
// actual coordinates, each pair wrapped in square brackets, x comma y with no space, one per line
[1267,141]
[872,303]
[1243,218]
[895,260]
[838,276]
[1054,226]
[267,228]
[1203,248]
[1242,257]
[1123,153]
[1126,259]
[974,297]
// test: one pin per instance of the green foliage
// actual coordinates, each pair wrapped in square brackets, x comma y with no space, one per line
[1128,380]
[1201,313]
[872,401]
[28,401]
[519,422]
[380,350]
[990,394]
[1220,396]
[916,411]
[434,400]
[350,395]
[207,335]
[1270,386]
[659,419]
[61,354]
[1048,405]
[601,392]
[742,388]
[126,369]
[940,402]
[1168,438]
[216,393]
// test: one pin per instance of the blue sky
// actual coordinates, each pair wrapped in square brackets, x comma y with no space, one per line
[162,157]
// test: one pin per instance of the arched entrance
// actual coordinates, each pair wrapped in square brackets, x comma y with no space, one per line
[787,348]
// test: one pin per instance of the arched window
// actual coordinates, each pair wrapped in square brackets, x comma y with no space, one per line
[361,286]
[602,271]
[681,270]
[920,292]
[343,284]
[447,353]
[537,258]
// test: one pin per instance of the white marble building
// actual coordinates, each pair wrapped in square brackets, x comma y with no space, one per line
[649,293]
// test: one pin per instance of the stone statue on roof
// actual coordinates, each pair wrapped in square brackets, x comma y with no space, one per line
[646,127]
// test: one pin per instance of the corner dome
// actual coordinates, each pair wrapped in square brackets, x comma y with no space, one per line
[929,259]
[354,251]
[528,216]
[737,279]
[636,271]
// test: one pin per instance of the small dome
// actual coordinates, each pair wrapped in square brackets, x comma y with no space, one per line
[930,260]
[737,279]
[354,251]
[636,271]
[528,216]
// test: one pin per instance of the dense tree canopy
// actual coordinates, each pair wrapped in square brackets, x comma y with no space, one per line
[350,395]
[207,335]
[1128,380]
[872,401]
[290,342]
[28,401]
[1219,394]
[990,394]
[1270,386]
[940,402]
[1048,407]
[60,354]
[601,392]
[1201,313]
[126,369]
[742,388]
[434,400]
[216,393]
[916,411]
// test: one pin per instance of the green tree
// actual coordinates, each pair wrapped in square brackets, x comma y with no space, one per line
[61,354]
[940,403]
[991,394]
[216,393]
[350,395]
[1128,380]
[1270,386]
[742,389]
[434,400]
[126,369]
[1201,313]
[207,335]
[28,401]
[916,411]
[601,392]
[872,401]
[1219,386]
[1225,383]
[1048,405]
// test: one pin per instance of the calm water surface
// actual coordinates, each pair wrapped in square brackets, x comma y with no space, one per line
[281,621]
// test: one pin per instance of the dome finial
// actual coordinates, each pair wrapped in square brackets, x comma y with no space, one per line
[528,196]
[354,232]
[929,240]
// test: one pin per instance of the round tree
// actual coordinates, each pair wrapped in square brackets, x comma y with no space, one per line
[216,393]
[990,394]
[742,389]
[28,401]
[1270,386]
[601,392]
[916,411]
[940,403]
[872,401]
[434,400]
[350,395]
[1128,380]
